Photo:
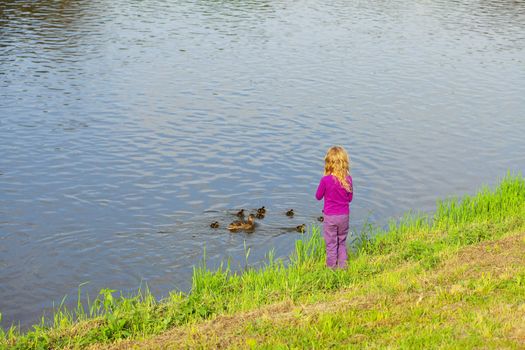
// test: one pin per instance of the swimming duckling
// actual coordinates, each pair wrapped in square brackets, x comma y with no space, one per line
[240,213]
[301,228]
[243,225]
[261,210]
[259,216]
[214,224]
[320,219]
[290,212]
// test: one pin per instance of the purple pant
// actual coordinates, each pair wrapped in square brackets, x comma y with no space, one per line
[335,230]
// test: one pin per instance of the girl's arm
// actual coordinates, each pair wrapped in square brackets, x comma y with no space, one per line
[350,195]
[320,190]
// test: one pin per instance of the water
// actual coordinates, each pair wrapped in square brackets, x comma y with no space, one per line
[127,127]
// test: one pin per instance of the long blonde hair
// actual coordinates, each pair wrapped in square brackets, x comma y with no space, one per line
[337,163]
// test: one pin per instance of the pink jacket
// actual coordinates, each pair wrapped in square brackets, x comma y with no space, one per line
[336,198]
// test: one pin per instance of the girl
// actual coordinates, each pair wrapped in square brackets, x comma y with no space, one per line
[336,188]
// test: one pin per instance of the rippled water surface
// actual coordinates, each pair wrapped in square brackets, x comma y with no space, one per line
[126,127]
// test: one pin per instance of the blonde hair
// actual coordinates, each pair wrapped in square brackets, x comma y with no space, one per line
[337,163]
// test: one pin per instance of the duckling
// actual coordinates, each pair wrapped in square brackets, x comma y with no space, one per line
[259,216]
[261,210]
[243,225]
[301,228]
[214,224]
[290,213]
[240,213]
[320,219]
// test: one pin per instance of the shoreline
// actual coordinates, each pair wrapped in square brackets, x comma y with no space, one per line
[414,246]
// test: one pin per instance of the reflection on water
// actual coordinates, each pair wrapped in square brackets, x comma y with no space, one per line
[127,128]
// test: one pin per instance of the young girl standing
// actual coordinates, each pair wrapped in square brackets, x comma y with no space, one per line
[336,189]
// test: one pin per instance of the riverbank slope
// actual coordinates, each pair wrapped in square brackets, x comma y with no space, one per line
[475,298]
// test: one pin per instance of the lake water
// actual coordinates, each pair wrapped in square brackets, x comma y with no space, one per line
[127,127]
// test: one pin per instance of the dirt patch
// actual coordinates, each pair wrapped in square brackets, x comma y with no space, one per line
[493,257]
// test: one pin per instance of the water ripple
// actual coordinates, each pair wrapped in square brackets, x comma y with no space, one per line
[128,127]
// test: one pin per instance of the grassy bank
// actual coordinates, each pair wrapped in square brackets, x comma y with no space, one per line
[406,285]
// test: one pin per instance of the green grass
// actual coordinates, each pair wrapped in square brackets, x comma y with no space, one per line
[401,310]
[388,262]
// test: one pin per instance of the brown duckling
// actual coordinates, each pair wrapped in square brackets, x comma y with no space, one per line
[243,225]
[259,215]
[240,213]
[214,224]
[261,210]
[290,213]
[301,228]
[320,219]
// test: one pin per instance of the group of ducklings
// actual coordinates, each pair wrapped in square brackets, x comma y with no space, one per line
[249,223]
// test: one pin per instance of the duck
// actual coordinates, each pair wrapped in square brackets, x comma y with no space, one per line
[301,228]
[320,219]
[214,224]
[259,215]
[290,212]
[243,225]
[240,213]
[261,210]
